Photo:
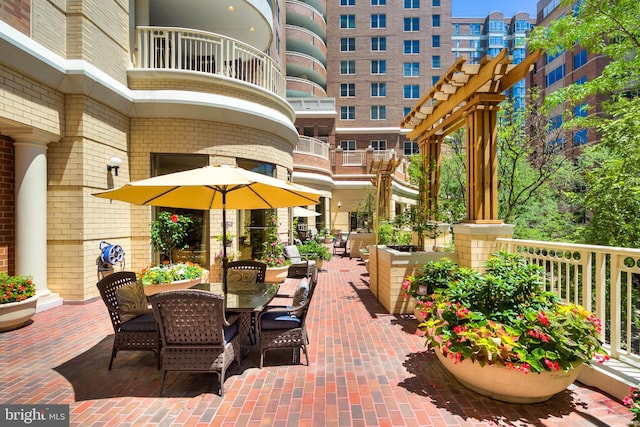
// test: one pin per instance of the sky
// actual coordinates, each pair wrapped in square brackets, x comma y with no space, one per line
[481,8]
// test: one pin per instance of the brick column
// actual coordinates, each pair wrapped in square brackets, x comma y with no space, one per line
[475,242]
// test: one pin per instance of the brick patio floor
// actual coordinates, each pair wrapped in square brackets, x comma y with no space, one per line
[368,368]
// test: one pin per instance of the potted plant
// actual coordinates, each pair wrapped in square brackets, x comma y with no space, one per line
[273,252]
[500,334]
[168,232]
[227,237]
[312,249]
[18,301]
[158,278]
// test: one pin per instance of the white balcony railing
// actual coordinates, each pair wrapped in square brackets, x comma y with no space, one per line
[605,280]
[201,51]
[316,147]
[354,158]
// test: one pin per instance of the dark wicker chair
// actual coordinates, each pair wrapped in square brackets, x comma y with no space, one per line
[301,265]
[285,327]
[134,329]
[341,243]
[196,336]
[246,273]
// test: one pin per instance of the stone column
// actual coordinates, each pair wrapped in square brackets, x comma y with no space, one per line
[476,242]
[31,214]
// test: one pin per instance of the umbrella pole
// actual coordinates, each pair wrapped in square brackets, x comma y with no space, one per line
[224,242]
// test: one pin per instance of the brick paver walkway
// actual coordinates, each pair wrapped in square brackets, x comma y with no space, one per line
[368,368]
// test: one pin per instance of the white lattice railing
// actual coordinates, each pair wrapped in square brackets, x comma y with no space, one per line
[201,51]
[605,280]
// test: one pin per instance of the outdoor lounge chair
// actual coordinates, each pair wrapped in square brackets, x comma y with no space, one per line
[301,265]
[196,336]
[285,327]
[132,319]
[341,243]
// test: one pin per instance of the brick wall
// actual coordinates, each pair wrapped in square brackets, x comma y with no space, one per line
[7,206]
[17,13]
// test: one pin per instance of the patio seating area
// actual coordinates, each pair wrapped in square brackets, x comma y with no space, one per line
[367,368]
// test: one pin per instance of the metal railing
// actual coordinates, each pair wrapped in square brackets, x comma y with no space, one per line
[314,146]
[603,279]
[172,48]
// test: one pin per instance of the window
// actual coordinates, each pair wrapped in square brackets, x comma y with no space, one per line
[522,26]
[378,112]
[581,110]
[347,2]
[378,43]
[555,75]
[379,145]
[496,26]
[378,2]
[348,145]
[347,112]
[347,44]
[378,89]
[579,59]
[435,41]
[412,4]
[347,67]
[411,69]
[411,24]
[435,21]
[495,41]
[347,21]
[411,148]
[435,61]
[379,67]
[474,29]
[406,110]
[411,91]
[435,3]
[379,20]
[411,47]
[580,137]
[582,80]
[434,80]
[347,90]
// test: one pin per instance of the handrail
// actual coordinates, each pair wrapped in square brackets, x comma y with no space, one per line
[171,48]
[603,279]
[314,146]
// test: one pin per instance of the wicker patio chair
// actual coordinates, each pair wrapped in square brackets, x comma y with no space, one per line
[301,265]
[341,243]
[285,327]
[242,274]
[132,319]
[196,336]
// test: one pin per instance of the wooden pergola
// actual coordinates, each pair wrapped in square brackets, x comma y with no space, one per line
[467,94]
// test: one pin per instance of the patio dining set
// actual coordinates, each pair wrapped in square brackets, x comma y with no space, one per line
[206,327]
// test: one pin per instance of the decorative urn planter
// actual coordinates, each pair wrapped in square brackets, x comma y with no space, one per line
[15,314]
[502,383]
[276,274]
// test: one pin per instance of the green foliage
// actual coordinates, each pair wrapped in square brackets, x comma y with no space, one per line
[314,249]
[431,276]
[504,316]
[154,275]
[15,288]
[273,247]
[170,231]
[388,234]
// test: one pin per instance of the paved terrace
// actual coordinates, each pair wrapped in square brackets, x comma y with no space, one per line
[368,368]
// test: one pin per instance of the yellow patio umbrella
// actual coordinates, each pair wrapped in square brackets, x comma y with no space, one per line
[214,187]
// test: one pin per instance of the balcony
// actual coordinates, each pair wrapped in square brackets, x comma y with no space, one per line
[312,146]
[180,49]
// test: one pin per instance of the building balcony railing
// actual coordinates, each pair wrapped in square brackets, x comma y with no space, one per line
[313,146]
[183,49]
[605,280]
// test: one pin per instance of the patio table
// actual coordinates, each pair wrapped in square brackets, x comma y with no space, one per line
[246,301]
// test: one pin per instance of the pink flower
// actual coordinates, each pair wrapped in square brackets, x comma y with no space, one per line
[174,218]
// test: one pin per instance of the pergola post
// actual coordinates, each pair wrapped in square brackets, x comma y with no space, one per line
[430,153]
[482,161]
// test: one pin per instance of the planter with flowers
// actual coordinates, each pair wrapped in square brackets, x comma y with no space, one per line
[18,301]
[273,252]
[168,277]
[501,335]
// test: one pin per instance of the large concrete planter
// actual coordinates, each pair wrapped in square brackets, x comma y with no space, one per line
[177,285]
[387,268]
[276,274]
[15,314]
[508,385]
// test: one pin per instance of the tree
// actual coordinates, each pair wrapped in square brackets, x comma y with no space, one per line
[609,28]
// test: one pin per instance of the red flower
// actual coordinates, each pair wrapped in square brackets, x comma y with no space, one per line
[174,218]
[543,319]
